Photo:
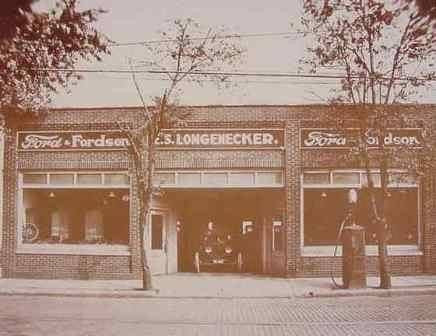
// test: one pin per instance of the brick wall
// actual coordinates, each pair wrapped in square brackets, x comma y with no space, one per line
[82,267]
[327,266]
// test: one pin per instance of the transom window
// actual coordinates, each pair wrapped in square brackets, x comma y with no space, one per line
[76,179]
[222,179]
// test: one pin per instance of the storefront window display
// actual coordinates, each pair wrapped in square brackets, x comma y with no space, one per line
[76,208]
[325,203]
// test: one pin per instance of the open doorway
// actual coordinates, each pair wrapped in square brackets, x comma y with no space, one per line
[218,227]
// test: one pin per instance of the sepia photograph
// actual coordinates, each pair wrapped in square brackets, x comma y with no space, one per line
[188,167]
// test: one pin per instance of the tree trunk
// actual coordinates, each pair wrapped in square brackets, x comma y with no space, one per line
[385,277]
[146,271]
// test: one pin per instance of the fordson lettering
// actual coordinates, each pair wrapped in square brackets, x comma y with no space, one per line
[78,141]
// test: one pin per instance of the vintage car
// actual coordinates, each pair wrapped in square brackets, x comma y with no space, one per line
[218,253]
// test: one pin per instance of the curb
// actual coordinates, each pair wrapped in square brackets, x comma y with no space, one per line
[140,294]
[85,294]
[372,292]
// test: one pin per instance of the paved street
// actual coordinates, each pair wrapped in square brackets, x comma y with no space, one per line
[39,315]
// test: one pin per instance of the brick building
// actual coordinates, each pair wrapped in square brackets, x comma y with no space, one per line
[272,176]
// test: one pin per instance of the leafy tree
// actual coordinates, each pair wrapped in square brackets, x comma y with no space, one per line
[32,42]
[385,53]
[427,7]
[188,50]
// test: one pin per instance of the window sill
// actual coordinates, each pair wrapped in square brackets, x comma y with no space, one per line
[370,250]
[74,249]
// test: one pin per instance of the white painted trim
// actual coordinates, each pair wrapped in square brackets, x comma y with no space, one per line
[74,249]
[370,250]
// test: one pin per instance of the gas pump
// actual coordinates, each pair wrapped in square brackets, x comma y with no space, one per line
[353,248]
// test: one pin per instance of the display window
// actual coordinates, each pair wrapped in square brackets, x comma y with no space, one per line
[325,204]
[75,208]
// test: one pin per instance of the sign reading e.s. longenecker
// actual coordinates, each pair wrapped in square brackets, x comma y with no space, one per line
[220,138]
[168,138]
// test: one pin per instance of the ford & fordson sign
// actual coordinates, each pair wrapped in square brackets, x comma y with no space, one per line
[337,139]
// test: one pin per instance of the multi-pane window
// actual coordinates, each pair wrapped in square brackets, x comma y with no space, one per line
[326,202]
[75,208]
[278,236]
[213,179]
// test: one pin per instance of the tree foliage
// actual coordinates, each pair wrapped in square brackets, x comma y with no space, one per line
[32,42]
[188,48]
[385,52]
[427,7]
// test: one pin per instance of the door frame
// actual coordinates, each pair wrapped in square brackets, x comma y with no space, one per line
[157,254]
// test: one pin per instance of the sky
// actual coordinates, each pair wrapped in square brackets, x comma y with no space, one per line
[140,20]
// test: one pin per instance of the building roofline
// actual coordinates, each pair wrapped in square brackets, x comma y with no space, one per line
[219,106]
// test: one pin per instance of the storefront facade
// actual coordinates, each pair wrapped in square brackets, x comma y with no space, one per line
[270,177]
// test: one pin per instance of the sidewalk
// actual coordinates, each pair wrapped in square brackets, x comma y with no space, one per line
[206,285]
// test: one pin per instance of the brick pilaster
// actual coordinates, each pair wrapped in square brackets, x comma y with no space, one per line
[292,192]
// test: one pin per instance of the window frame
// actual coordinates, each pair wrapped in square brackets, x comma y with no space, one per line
[278,223]
[68,249]
[203,184]
[328,250]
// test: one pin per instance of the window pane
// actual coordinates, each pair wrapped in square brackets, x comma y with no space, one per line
[401,179]
[89,178]
[324,210]
[316,178]
[164,178]
[241,178]
[156,232]
[375,179]
[75,216]
[269,178]
[35,178]
[61,179]
[402,216]
[278,236]
[189,178]
[346,178]
[401,209]
[30,228]
[247,227]
[215,178]
[116,179]
[93,220]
